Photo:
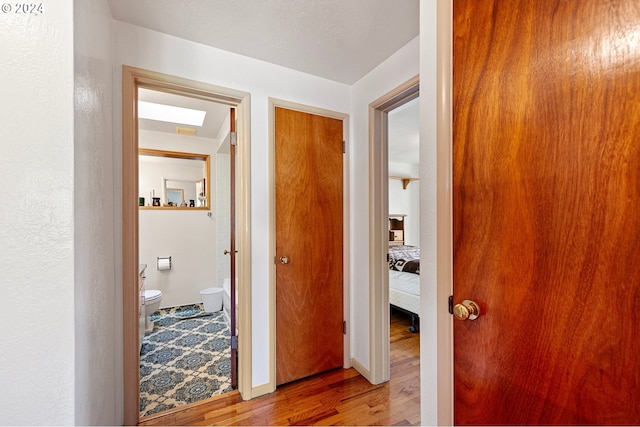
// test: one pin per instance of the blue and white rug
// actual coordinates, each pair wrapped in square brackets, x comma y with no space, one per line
[185,359]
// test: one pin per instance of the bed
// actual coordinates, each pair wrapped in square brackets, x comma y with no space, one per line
[404,281]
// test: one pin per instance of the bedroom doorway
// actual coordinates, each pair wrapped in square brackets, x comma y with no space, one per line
[383,176]
[404,212]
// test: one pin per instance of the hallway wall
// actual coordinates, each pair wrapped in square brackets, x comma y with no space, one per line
[140,48]
[37,363]
[60,240]
[397,69]
[98,399]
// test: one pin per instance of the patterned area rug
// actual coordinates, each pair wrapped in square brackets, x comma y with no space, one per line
[186,358]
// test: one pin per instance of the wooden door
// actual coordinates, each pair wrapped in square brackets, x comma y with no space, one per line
[232,247]
[309,230]
[546,189]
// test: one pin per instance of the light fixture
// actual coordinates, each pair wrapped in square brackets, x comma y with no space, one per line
[170,113]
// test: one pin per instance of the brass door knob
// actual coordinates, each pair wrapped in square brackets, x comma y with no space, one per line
[467,310]
[284,260]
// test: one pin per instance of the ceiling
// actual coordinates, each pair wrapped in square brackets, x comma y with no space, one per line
[404,133]
[340,40]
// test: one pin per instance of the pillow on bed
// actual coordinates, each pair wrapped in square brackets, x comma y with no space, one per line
[404,258]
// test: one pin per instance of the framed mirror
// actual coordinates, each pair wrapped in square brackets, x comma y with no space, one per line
[173,180]
[175,196]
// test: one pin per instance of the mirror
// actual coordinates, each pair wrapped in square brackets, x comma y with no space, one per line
[175,196]
[172,180]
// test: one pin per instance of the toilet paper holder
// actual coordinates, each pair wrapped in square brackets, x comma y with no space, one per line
[164,263]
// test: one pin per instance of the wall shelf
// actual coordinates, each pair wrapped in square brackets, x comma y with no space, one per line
[405,180]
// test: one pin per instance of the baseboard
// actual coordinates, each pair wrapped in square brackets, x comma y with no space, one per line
[361,369]
[261,390]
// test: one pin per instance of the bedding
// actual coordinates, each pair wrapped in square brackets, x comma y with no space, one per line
[404,258]
[404,280]
[404,291]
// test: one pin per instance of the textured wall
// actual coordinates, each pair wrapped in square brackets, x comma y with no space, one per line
[98,397]
[36,217]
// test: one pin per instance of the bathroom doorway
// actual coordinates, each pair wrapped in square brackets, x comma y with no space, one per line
[184,219]
[172,237]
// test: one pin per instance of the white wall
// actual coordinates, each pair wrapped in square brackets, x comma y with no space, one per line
[36,217]
[222,204]
[159,52]
[406,201]
[37,222]
[98,383]
[189,237]
[223,221]
[397,69]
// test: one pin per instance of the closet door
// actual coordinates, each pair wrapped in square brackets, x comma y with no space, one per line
[309,240]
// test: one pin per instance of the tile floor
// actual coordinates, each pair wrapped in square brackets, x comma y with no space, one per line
[186,358]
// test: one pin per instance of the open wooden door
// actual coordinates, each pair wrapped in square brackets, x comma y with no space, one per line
[309,240]
[232,251]
[546,189]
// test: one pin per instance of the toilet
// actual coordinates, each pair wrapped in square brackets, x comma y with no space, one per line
[152,300]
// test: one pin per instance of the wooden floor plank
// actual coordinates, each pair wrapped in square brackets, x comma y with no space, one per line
[337,397]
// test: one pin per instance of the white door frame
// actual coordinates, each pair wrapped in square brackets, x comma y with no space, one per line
[132,79]
[436,113]
[436,340]
[379,225]
[273,103]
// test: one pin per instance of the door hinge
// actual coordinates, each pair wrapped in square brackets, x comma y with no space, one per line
[344,327]
[344,147]
[233,138]
[451,304]
[234,342]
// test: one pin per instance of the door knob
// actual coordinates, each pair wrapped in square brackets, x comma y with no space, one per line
[467,310]
[227,252]
[284,260]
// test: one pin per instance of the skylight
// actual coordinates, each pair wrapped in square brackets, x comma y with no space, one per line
[169,113]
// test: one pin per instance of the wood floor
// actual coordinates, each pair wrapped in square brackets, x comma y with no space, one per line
[338,397]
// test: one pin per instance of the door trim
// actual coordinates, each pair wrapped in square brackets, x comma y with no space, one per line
[273,103]
[379,370]
[132,78]
[441,374]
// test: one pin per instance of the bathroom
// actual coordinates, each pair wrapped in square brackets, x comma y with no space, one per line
[182,241]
